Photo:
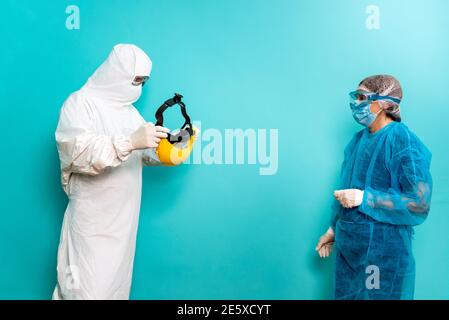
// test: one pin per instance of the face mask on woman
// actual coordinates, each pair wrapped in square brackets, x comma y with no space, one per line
[363,115]
[361,106]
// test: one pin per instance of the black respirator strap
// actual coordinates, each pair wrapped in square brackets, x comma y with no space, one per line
[169,103]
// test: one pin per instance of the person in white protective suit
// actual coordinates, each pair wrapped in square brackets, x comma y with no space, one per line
[103,142]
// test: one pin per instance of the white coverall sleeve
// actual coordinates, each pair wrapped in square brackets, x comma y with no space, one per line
[80,148]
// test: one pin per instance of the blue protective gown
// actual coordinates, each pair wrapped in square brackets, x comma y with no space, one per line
[374,258]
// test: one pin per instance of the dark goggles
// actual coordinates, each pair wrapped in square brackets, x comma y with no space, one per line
[140,80]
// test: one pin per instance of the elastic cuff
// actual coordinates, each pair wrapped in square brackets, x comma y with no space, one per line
[123,146]
[367,201]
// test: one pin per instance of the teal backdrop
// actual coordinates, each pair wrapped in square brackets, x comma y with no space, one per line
[221,231]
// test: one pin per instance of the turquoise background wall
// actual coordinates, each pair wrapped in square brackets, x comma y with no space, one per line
[226,232]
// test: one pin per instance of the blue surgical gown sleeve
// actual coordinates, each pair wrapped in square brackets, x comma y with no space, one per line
[349,149]
[334,218]
[407,200]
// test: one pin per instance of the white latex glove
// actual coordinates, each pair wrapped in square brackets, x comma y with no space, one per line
[148,136]
[349,198]
[326,243]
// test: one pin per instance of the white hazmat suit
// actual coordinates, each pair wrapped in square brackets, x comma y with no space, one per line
[102,177]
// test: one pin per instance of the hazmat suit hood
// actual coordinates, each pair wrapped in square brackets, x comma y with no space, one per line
[112,81]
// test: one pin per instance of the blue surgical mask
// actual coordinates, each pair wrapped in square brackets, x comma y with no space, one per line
[360,105]
[362,113]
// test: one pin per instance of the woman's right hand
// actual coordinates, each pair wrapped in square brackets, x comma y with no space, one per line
[326,243]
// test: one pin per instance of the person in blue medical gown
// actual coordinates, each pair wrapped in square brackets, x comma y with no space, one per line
[385,190]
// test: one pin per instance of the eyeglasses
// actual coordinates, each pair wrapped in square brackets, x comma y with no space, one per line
[140,80]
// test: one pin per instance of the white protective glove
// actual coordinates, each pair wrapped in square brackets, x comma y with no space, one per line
[326,243]
[148,136]
[349,198]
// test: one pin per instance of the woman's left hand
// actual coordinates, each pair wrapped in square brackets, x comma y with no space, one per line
[326,243]
[349,198]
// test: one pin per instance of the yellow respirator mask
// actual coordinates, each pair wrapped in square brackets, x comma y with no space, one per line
[176,148]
